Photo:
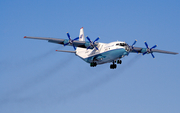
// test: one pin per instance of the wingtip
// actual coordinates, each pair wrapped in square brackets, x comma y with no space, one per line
[24,36]
[81,28]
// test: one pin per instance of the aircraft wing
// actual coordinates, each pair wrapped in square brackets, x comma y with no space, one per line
[82,44]
[143,50]
[54,40]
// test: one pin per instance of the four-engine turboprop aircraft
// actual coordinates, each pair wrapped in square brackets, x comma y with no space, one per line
[97,53]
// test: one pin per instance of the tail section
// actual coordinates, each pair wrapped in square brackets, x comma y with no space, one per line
[80,51]
[81,35]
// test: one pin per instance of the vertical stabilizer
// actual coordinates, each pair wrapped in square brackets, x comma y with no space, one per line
[81,35]
[80,51]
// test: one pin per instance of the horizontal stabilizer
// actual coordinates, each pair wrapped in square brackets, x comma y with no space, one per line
[66,51]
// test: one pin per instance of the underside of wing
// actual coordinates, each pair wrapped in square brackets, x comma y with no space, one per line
[82,44]
[162,51]
[143,50]
[53,40]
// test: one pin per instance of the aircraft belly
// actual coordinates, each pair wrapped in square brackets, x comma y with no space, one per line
[108,56]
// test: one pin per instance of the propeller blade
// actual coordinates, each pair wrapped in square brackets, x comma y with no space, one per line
[132,46]
[92,43]
[71,41]
[88,47]
[154,47]
[74,47]
[96,48]
[152,55]
[68,36]
[96,40]
[144,53]
[149,50]
[146,45]
[76,38]
[66,44]
[88,39]
[134,43]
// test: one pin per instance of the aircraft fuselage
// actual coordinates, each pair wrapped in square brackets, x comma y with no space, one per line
[105,53]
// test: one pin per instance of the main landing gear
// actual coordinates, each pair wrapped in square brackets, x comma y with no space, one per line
[93,64]
[113,66]
[119,61]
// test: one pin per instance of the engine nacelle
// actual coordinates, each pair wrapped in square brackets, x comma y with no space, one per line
[143,50]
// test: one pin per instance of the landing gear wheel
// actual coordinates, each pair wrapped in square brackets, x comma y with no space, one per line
[119,61]
[93,64]
[113,66]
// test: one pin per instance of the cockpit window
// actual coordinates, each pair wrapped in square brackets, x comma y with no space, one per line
[121,44]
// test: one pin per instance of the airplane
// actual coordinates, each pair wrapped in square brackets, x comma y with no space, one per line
[96,53]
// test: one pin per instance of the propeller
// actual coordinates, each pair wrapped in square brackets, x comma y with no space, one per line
[71,41]
[132,47]
[92,44]
[149,50]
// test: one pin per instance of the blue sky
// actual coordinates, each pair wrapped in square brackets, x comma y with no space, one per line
[35,78]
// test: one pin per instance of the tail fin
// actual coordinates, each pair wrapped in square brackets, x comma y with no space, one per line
[80,51]
[81,35]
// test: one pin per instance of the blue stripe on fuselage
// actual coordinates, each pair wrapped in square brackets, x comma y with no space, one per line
[108,56]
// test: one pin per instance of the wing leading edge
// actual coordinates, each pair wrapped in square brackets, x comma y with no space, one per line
[85,44]
[82,44]
[142,50]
